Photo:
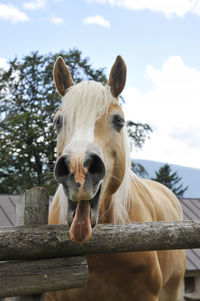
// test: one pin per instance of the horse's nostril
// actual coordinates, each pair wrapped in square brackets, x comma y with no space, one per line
[61,169]
[93,162]
[95,165]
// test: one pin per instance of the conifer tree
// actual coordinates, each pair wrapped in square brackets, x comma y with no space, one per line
[170,179]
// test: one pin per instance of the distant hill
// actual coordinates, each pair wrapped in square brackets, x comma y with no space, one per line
[190,176]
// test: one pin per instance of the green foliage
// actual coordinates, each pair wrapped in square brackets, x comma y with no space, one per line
[28,100]
[170,179]
[138,132]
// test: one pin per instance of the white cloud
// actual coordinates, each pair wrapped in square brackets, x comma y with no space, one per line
[56,20]
[168,7]
[33,5]
[97,20]
[11,13]
[172,108]
[175,80]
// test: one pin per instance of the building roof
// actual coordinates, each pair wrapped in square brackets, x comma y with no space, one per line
[7,209]
[191,208]
[191,211]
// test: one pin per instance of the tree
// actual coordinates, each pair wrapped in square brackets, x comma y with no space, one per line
[138,133]
[170,179]
[28,100]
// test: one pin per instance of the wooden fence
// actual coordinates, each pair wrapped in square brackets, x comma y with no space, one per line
[37,257]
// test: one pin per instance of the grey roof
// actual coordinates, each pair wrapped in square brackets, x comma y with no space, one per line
[193,259]
[191,211]
[191,208]
[7,210]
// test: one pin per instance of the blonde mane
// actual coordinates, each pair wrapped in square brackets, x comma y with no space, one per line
[95,101]
[83,104]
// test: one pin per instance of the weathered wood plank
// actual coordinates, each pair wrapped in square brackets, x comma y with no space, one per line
[28,298]
[32,207]
[54,241]
[37,276]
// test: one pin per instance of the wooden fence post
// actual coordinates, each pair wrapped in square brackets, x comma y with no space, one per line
[31,210]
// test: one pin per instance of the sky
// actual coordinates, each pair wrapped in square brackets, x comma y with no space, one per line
[159,41]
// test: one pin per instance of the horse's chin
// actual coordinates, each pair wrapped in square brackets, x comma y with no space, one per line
[82,216]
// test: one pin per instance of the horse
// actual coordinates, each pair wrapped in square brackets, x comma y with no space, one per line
[97,185]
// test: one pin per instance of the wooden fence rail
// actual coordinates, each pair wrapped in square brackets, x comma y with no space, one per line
[53,240]
[38,276]
[42,257]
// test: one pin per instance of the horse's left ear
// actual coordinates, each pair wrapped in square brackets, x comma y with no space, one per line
[62,76]
[117,78]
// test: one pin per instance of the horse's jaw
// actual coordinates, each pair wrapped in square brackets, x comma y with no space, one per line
[82,216]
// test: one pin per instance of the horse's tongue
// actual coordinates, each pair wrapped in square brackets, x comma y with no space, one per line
[81,230]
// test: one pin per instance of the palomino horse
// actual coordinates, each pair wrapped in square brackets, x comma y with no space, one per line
[97,185]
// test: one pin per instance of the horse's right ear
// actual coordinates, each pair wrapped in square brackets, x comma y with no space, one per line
[62,76]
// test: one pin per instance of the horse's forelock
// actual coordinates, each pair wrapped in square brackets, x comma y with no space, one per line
[83,104]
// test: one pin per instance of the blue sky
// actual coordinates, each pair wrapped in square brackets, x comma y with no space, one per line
[158,39]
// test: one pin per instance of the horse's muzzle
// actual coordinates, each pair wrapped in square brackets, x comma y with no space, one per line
[81,177]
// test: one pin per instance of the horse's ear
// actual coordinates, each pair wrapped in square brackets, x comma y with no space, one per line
[117,78]
[62,76]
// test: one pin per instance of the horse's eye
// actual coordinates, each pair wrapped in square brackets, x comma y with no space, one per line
[118,122]
[58,121]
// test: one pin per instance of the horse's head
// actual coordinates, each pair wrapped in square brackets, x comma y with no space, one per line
[90,145]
